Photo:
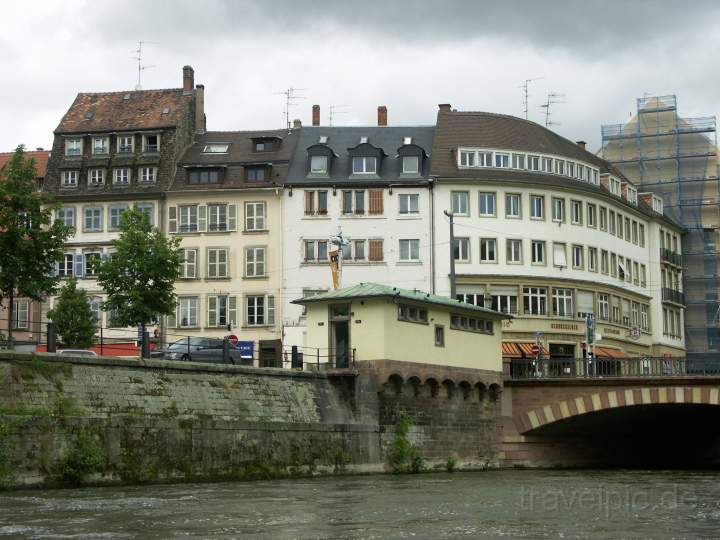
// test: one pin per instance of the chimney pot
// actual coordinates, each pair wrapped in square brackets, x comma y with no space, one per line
[581,144]
[444,107]
[188,79]
[40,149]
[382,115]
[316,115]
[297,123]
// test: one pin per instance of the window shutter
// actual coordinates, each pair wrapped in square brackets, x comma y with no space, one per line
[309,202]
[79,265]
[270,310]
[376,201]
[172,318]
[376,250]
[232,311]
[202,218]
[232,217]
[212,311]
[172,219]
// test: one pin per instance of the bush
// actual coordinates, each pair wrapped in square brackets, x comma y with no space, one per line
[450,464]
[73,317]
[84,458]
[404,456]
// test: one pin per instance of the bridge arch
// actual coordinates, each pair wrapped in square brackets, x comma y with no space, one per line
[605,399]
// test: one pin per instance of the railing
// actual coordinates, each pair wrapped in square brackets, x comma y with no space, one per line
[671,257]
[671,295]
[526,369]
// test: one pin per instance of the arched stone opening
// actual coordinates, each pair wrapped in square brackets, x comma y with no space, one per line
[449,388]
[465,390]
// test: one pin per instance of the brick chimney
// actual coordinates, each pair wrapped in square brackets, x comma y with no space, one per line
[297,123]
[581,144]
[200,108]
[188,80]
[316,115]
[444,107]
[382,115]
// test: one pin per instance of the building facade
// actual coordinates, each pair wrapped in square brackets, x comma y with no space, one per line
[225,204]
[112,151]
[369,183]
[550,233]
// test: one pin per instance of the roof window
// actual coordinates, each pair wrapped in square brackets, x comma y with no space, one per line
[323,139]
[363,140]
[407,140]
[216,148]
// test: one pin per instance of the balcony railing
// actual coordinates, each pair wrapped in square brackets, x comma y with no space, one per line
[671,295]
[526,369]
[671,257]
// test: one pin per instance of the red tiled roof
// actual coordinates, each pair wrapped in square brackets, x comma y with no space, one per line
[40,156]
[113,111]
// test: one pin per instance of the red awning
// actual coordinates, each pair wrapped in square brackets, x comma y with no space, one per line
[512,349]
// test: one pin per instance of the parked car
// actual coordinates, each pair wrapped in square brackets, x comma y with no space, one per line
[197,349]
[76,352]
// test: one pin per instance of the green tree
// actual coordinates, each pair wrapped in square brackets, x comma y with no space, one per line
[31,243]
[139,278]
[73,317]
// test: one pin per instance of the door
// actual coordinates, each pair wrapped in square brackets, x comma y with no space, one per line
[340,336]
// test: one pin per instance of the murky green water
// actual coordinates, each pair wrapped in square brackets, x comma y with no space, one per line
[525,504]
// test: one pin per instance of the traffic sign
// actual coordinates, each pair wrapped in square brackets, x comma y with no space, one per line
[233,339]
[535,349]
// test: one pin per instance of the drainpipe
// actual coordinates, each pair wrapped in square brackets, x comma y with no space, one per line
[431,185]
[452,253]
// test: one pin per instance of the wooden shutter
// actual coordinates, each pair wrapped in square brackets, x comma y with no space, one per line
[172,219]
[232,217]
[376,201]
[232,311]
[202,218]
[212,311]
[376,250]
[309,202]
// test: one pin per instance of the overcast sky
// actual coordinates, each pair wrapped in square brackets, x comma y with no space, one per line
[359,54]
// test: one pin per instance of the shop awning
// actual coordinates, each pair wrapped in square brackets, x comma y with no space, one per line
[513,349]
[606,352]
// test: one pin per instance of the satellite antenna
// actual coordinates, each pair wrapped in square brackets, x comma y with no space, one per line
[334,110]
[290,98]
[138,56]
[552,99]
[524,86]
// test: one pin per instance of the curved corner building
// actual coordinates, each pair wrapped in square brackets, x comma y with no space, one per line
[550,233]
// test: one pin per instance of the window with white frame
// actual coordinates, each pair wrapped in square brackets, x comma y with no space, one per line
[92,261]
[657,204]
[188,218]
[634,232]
[533,163]
[126,144]
[151,144]
[538,252]
[459,201]
[577,257]
[487,204]
[70,178]
[604,264]
[611,223]
[410,164]
[316,250]
[467,158]
[547,165]
[216,148]
[537,207]
[603,306]
[485,159]
[627,229]
[188,311]
[66,215]
[260,310]
[96,177]
[632,194]
[66,267]
[114,216]
[591,215]
[255,216]
[560,166]
[409,203]
[21,314]
[502,160]
[513,251]
[505,298]
[535,300]
[221,310]
[461,249]
[364,165]
[189,265]
[603,218]
[318,164]
[558,209]
[559,255]
[488,250]
[217,263]
[255,262]
[217,217]
[148,175]
[645,317]
[93,219]
[576,213]
[641,235]
[148,209]
[615,186]
[73,147]
[475,298]
[563,302]
[518,161]
[121,177]
[512,205]
[410,249]
[592,259]
[100,145]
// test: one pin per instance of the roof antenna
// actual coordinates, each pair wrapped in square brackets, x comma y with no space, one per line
[524,86]
[552,99]
[141,66]
[290,98]
[334,111]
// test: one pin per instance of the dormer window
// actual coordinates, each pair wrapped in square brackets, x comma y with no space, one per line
[101,145]
[364,165]
[407,140]
[151,144]
[363,140]
[264,145]
[256,174]
[73,147]
[125,144]
[632,194]
[657,204]
[410,165]
[615,186]
[318,165]
[204,176]
[323,139]
[216,148]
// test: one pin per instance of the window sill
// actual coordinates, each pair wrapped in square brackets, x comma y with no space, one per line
[257,231]
[488,262]
[256,278]
[315,216]
[409,263]
[226,278]
[182,278]
[93,231]
[257,326]
[363,216]
[226,231]
[409,217]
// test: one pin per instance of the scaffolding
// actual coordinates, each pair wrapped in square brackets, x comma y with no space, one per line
[676,158]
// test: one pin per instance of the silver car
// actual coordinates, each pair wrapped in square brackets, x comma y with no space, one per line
[196,349]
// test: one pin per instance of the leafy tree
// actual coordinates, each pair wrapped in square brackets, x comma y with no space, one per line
[139,277]
[73,317]
[30,241]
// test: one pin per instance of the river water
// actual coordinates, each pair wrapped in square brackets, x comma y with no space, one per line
[522,504]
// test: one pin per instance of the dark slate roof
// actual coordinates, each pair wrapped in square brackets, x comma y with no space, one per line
[111,111]
[340,139]
[241,153]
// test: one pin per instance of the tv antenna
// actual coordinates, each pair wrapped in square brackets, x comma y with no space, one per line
[290,98]
[552,99]
[334,110]
[524,87]
[138,56]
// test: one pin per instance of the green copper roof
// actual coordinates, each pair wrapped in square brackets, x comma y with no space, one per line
[376,290]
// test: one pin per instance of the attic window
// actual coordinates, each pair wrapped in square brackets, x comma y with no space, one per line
[126,96]
[166,110]
[407,140]
[363,140]
[215,148]
[323,139]
[264,145]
